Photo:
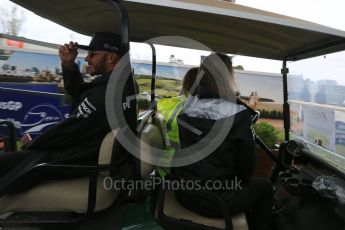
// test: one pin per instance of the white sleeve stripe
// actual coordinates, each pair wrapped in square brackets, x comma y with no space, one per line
[89,103]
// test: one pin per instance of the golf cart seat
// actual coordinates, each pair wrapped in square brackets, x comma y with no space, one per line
[171,214]
[151,136]
[83,195]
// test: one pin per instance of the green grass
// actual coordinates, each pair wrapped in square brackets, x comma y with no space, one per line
[164,87]
[281,136]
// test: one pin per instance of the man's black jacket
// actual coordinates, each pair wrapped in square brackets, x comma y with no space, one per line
[77,139]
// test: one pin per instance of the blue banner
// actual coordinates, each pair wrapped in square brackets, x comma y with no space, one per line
[31,112]
[49,88]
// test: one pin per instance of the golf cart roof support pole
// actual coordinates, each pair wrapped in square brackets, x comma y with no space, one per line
[286,107]
[124,25]
[124,53]
[153,80]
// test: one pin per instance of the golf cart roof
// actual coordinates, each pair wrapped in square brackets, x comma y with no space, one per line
[221,26]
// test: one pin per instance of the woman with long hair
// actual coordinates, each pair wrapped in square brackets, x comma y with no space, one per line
[212,103]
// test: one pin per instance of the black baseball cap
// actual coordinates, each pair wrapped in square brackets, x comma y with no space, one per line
[106,41]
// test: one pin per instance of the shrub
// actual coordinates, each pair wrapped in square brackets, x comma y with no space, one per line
[267,133]
[273,114]
[263,113]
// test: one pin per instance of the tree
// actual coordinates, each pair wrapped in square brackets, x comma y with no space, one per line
[11,20]
[239,67]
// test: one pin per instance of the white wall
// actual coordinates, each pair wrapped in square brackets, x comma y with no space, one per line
[267,85]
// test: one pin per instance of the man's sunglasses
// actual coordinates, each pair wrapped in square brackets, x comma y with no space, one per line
[92,53]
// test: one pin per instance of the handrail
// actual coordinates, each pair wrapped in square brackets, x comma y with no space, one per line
[324,106]
[153,80]
[124,47]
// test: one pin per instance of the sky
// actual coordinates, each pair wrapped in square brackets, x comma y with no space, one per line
[329,13]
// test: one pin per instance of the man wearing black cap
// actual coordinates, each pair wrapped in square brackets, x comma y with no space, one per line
[80,135]
[77,139]
[103,53]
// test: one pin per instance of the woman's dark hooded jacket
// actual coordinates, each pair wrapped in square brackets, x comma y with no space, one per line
[231,162]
